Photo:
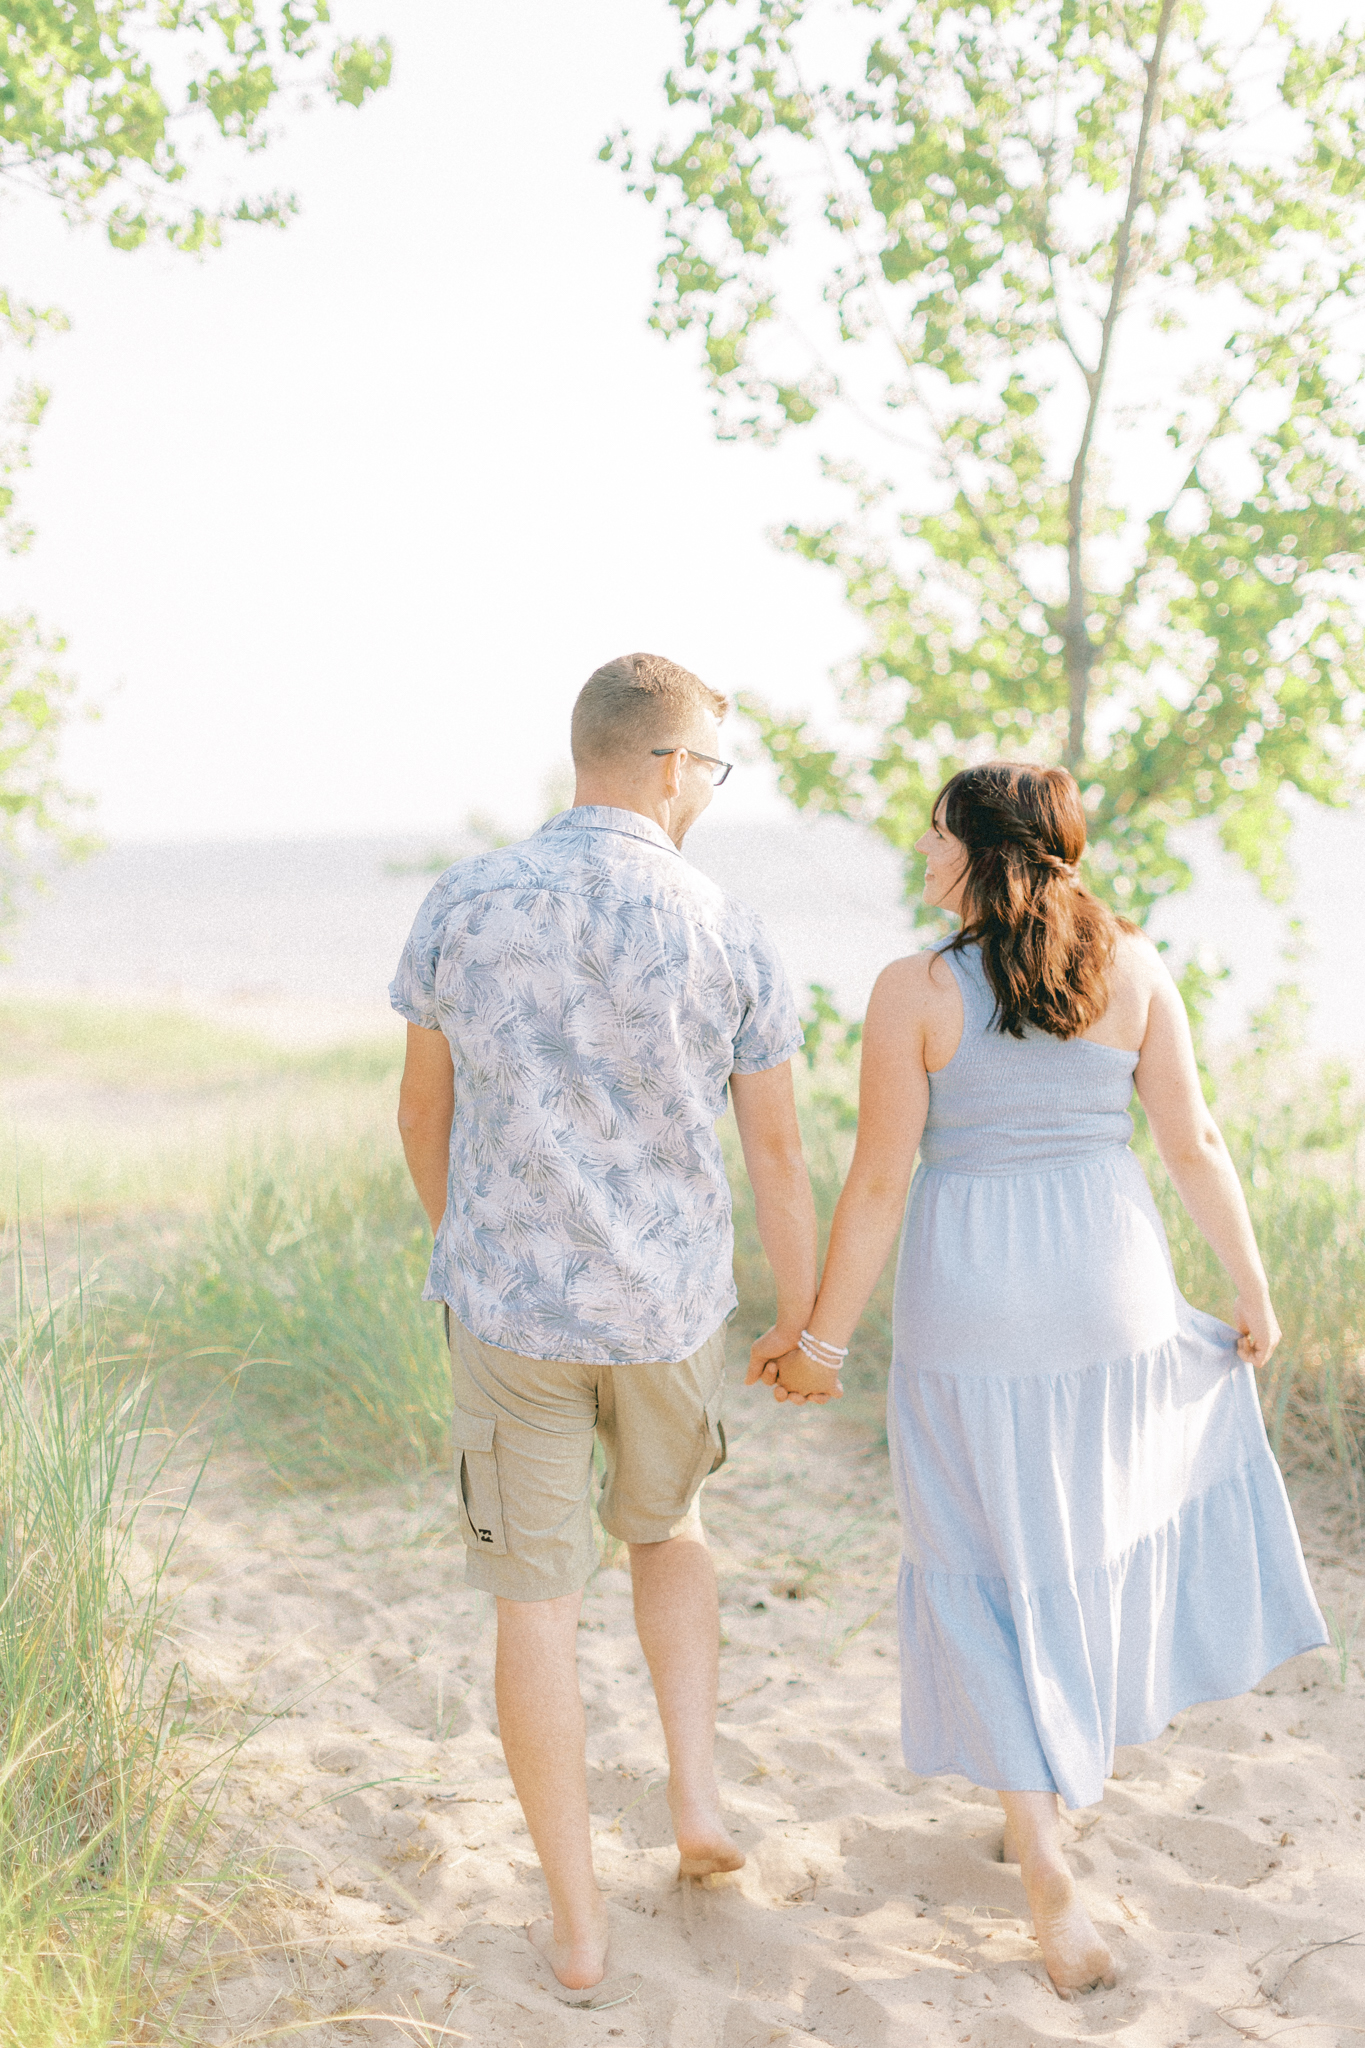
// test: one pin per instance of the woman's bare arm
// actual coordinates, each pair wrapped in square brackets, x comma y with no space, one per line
[893,1101]
[1195,1156]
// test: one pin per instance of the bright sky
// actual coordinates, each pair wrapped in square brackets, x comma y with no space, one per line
[337,520]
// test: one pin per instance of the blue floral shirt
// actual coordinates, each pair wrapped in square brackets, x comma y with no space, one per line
[597,992]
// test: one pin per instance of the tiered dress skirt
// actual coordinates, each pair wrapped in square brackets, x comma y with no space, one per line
[1096,1533]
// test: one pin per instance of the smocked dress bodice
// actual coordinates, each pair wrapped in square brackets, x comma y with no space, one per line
[1005,1104]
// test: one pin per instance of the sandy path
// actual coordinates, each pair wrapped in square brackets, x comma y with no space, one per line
[1226,1864]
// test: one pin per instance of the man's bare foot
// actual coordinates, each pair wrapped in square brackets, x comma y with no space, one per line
[705,1844]
[1076,1958]
[578,1964]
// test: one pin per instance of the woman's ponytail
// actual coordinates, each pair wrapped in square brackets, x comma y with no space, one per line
[1047,944]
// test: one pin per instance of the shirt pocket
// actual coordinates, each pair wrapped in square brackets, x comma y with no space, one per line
[479,1488]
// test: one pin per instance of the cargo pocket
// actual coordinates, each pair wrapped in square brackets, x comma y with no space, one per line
[715,1431]
[480,1495]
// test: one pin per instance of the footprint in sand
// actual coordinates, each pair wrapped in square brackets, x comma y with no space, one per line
[1209,1852]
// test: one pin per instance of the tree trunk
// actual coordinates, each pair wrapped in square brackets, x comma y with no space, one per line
[1080,648]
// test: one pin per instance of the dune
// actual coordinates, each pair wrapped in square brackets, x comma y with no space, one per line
[1226,1864]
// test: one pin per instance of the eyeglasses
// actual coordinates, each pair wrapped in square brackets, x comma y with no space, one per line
[719,769]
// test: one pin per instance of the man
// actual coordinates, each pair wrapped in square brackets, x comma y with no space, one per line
[577,1007]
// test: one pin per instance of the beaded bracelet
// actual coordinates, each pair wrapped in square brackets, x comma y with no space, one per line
[818,1352]
[820,1344]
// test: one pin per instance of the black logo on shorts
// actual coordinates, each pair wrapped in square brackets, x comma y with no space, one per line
[484,1535]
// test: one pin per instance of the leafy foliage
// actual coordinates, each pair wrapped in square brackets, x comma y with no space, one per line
[34,803]
[107,107]
[105,104]
[1093,269]
[23,412]
[831,1047]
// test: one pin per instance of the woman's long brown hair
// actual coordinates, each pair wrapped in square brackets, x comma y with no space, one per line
[1047,944]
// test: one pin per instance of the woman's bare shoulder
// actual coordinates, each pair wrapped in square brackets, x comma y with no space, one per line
[916,983]
[1137,961]
[916,1010]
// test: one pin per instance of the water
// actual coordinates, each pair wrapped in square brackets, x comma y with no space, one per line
[298,938]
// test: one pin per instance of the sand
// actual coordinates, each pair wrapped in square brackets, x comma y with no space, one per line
[1225,1866]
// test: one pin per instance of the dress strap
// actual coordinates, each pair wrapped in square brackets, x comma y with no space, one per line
[978,1001]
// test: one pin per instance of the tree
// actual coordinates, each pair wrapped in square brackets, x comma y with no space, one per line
[34,803]
[106,105]
[1095,269]
[123,112]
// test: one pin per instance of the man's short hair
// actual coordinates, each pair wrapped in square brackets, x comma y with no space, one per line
[637,702]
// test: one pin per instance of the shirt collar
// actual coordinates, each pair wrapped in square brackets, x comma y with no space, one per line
[606,818]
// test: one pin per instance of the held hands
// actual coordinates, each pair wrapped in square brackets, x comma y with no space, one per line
[1260,1332]
[776,1361]
[799,1380]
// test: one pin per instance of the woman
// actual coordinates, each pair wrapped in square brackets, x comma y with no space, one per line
[1096,1534]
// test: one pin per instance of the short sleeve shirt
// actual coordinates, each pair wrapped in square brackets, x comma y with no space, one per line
[597,992]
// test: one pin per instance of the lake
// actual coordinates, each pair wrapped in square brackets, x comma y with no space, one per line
[298,937]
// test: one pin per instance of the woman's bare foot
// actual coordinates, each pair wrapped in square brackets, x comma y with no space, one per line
[705,1844]
[579,1963]
[1076,1958]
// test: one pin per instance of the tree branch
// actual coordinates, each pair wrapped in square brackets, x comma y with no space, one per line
[1190,474]
[870,284]
[1044,243]
[1080,650]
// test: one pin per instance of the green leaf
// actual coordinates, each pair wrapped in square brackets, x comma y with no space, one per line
[940,226]
[360,68]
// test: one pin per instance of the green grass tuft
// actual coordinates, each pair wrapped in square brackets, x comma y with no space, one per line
[295,1291]
[97,1827]
[300,1299]
[302,1303]
[115,1114]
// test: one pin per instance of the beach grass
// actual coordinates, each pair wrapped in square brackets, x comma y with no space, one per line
[112,1113]
[1294,1127]
[294,1298]
[301,1305]
[101,1819]
[302,1295]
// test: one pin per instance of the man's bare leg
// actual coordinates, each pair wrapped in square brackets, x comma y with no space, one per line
[540,1719]
[1076,1957]
[677,1616]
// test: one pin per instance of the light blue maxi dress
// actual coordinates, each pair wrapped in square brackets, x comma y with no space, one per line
[1096,1533]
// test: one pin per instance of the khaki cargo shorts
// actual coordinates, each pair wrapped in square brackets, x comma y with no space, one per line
[524,1430]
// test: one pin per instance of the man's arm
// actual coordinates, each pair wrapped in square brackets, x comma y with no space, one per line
[765,1111]
[426,1104]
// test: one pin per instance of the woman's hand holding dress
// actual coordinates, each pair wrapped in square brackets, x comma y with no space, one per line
[1194,1154]
[1260,1332]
